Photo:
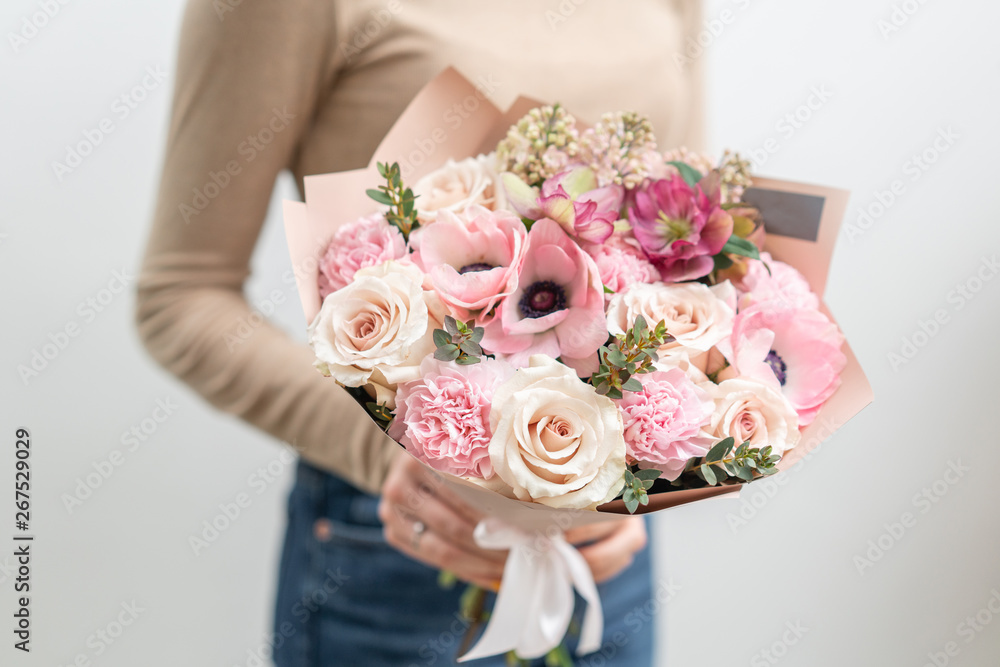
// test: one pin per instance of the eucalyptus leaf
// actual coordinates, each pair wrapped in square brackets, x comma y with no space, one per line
[648,473]
[633,385]
[709,474]
[441,337]
[379,196]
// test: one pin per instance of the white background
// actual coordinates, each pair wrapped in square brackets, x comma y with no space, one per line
[804,554]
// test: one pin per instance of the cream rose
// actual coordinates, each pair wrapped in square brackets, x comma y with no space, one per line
[697,316]
[750,411]
[556,441]
[458,185]
[375,331]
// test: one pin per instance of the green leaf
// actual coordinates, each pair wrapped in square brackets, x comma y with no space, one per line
[744,473]
[720,450]
[472,349]
[640,327]
[379,196]
[647,484]
[737,246]
[633,385]
[629,477]
[450,325]
[614,393]
[467,361]
[448,352]
[769,471]
[690,175]
[608,290]
[648,474]
[631,504]
[722,262]
[441,337]
[709,474]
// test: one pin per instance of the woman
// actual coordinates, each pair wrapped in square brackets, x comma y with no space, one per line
[312,86]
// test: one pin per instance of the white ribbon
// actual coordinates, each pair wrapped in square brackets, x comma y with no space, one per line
[535,603]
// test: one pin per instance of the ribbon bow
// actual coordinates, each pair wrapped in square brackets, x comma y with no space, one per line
[535,603]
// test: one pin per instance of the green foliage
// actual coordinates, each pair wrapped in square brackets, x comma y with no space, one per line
[724,465]
[629,355]
[400,200]
[637,486]
[459,342]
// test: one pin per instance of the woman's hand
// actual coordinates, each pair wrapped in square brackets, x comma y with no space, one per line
[615,547]
[427,522]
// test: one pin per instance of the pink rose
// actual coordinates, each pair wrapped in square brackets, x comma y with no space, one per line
[458,185]
[358,245]
[473,259]
[796,351]
[443,418]
[697,316]
[750,411]
[681,227]
[620,264]
[663,422]
[784,285]
[558,306]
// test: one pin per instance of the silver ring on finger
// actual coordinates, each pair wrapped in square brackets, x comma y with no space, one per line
[419,528]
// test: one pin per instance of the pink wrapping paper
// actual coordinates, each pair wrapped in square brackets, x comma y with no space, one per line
[421,141]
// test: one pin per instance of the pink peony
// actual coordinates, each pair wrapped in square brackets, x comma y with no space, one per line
[784,285]
[558,306]
[366,242]
[443,418]
[473,259]
[794,350]
[680,227]
[620,264]
[663,422]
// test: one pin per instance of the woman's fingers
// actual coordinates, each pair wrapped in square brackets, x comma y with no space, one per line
[609,556]
[424,521]
[407,499]
[433,549]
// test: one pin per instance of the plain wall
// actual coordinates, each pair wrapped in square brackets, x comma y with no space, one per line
[871,553]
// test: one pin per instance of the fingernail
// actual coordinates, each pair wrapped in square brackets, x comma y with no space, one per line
[495,586]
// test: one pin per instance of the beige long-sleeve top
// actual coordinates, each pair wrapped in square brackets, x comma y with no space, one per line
[313,86]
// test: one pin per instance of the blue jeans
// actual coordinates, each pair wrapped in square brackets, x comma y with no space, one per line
[345,597]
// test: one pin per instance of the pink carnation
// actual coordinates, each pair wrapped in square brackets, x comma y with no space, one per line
[784,285]
[794,350]
[443,418]
[621,264]
[366,242]
[663,422]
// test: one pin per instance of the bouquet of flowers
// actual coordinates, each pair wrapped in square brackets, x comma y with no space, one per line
[567,317]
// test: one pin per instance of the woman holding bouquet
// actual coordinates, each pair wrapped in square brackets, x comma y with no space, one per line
[312,87]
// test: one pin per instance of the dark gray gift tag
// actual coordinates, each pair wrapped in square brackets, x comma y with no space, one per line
[788,213]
